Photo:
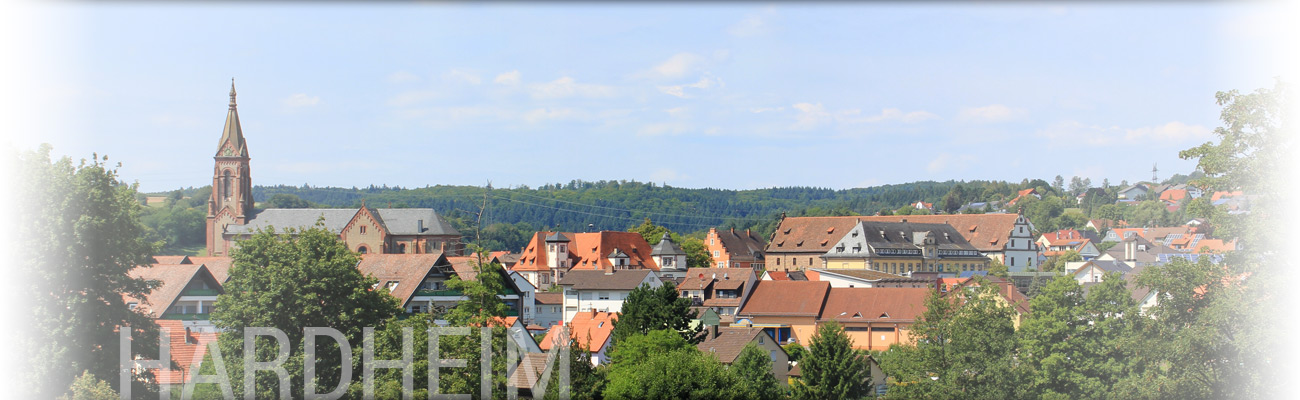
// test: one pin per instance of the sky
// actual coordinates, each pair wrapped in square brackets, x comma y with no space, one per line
[723,95]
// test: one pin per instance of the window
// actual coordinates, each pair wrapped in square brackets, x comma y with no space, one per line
[722,264]
[131,306]
[762,338]
[772,354]
[363,249]
[363,229]
[603,296]
[715,253]
[391,285]
[401,248]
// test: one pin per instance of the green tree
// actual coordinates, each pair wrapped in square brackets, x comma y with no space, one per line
[678,374]
[955,198]
[754,368]
[640,347]
[965,348]
[286,200]
[831,369]
[795,350]
[650,309]
[292,280]
[1070,346]
[482,304]
[1057,263]
[79,234]
[87,387]
[697,255]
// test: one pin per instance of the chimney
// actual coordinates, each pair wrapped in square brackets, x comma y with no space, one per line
[1130,250]
[419,226]
[713,332]
[609,269]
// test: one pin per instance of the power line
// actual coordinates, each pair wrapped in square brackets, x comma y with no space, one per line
[626,210]
[633,219]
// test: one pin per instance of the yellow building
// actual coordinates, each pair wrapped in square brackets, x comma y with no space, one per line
[904,247]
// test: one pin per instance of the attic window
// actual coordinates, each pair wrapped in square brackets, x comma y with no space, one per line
[857,315]
[830,230]
[800,244]
[884,315]
[787,231]
[854,233]
[824,241]
[391,285]
[972,227]
[781,243]
[839,249]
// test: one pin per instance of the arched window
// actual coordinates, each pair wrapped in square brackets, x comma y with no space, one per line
[225,184]
[363,249]
[401,248]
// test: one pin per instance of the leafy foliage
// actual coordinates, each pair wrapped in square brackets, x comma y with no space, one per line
[677,374]
[291,281]
[87,387]
[80,234]
[831,369]
[649,309]
[754,368]
[697,256]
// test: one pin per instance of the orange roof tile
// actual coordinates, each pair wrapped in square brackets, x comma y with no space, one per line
[984,231]
[185,348]
[874,304]
[409,270]
[174,279]
[791,298]
[589,329]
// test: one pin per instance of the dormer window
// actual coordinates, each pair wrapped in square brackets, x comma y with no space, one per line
[391,285]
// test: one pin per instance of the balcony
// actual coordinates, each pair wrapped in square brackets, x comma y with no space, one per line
[199,292]
[185,317]
[442,292]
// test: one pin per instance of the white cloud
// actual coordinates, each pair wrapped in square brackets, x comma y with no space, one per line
[402,77]
[705,82]
[554,114]
[990,114]
[1077,133]
[508,78]
[664,128]
[944,161]
[678,111]
[761,110]
[894,114]
[677,66]
[568,87]
[1173,132]
[462,76]
[810,116]
[300,100]
[754,24]
[411,97]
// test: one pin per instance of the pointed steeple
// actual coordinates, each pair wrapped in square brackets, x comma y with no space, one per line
[232,136]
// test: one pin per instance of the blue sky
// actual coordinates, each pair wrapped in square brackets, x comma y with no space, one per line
[729,95]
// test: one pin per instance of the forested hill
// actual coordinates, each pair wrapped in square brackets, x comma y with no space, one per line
[618,205]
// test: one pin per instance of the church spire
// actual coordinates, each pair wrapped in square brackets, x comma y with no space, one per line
[232,136]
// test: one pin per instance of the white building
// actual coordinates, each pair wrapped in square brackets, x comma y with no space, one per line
[602,291]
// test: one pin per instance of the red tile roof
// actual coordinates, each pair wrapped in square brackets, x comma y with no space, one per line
[1173,195]
[184,350]
[588,250]
[1218,195]
[218,266]
[589,330]
[987,232]
[174,279]
[788,298]
[409,270]
[874,304]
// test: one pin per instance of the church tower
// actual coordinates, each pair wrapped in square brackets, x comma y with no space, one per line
[232,186]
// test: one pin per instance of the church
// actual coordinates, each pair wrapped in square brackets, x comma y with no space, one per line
[232,214]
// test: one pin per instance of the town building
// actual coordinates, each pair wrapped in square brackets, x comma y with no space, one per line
[419,281]
[589,330]
[602,290]
[901,248]
[735,249]
[721,290]
[725,344]
[799,242]
[549,256]
[847,278]
[232,216]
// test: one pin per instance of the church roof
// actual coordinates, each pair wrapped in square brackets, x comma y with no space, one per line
[397,221]
[232,135]
[666,247]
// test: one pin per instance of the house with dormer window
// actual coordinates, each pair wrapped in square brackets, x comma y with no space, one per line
[550,256]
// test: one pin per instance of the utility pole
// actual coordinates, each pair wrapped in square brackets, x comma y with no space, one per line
[478,230]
